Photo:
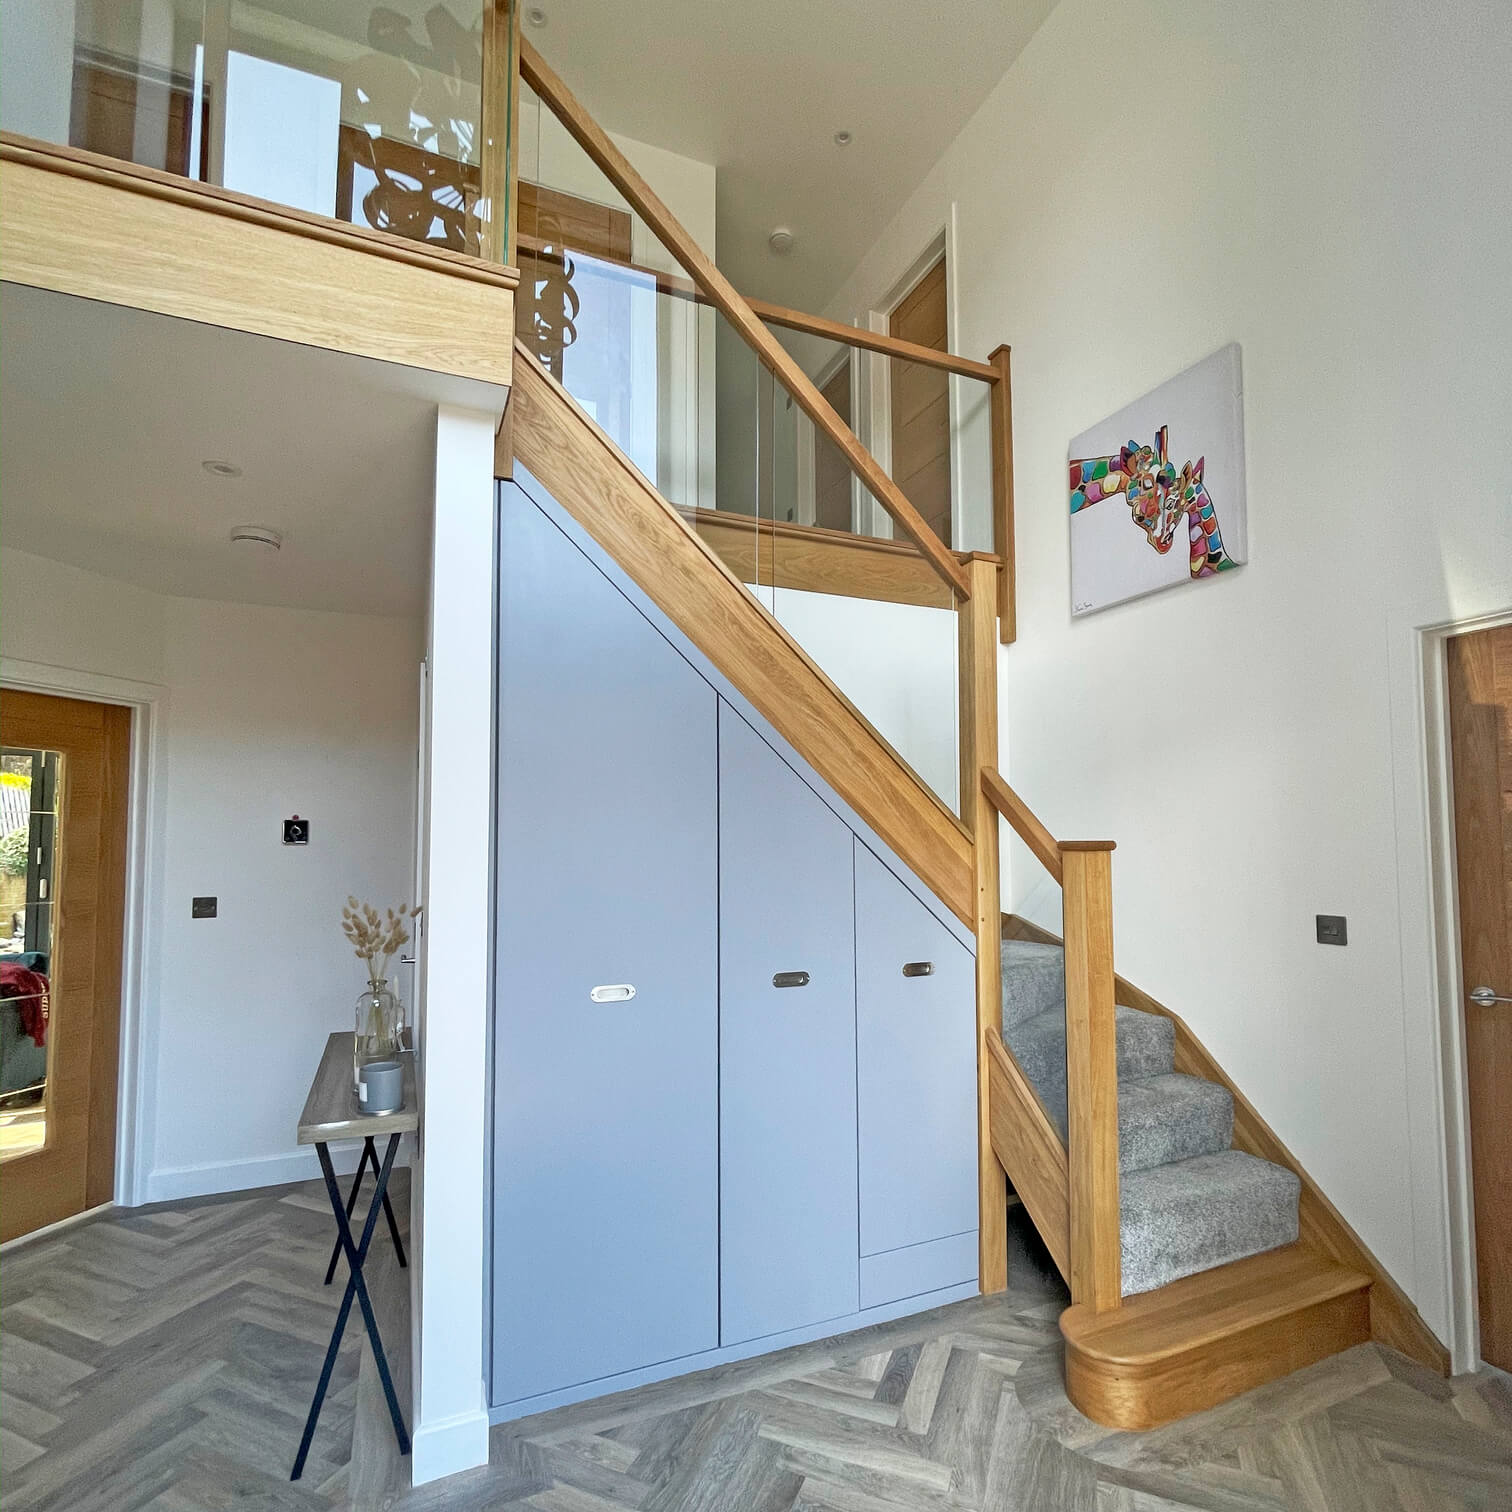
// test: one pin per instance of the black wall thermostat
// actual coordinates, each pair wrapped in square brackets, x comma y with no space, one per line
[296,831]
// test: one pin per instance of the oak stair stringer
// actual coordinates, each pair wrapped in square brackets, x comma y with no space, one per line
[607,495]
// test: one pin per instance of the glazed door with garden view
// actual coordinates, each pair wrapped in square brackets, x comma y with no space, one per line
[63,786]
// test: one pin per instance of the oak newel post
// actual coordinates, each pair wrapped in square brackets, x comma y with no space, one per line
[977,626]
[1092,1074]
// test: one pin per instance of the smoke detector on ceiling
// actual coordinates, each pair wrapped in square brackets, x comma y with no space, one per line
[258,535]
[781,241]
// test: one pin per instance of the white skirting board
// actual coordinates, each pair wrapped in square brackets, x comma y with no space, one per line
[172,1183]
[687,1364]
[449,1446]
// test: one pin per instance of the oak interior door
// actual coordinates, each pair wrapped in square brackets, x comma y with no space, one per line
[65,772]
[832,474]
[1480,719]
[921,405]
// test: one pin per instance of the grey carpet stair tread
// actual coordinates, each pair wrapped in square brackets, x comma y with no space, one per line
[1034,980]
[1173,1117]
[1146,1047]
[1164,1118]
[1191,1215]
[1188,1202]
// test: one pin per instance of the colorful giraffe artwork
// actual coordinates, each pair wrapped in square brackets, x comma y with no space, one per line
[1128,463]
[1158,496]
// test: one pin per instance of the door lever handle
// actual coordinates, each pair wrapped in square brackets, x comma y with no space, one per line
[1484,997]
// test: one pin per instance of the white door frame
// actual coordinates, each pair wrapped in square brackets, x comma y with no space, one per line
[872,377]
[1443,1206]
[144,849]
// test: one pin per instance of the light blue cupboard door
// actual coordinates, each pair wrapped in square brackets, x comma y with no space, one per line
[787,1054]
[916,1067]
[605,1196]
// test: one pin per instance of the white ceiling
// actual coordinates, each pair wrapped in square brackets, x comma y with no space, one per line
[108,414]
[761,90]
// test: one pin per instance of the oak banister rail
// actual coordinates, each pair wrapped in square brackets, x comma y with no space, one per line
[616,167]
[1084,870]
[794,320]
[1022,821]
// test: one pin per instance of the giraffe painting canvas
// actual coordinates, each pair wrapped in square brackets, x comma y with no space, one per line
[1157,491]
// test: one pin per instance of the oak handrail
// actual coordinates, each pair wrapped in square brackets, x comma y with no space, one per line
[781,315]
[610,161]
[1022,821]
[1084,870]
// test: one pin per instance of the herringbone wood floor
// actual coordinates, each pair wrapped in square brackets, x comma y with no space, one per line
[163,1359]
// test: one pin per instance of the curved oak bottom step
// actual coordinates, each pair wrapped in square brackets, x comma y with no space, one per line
[1209,1337]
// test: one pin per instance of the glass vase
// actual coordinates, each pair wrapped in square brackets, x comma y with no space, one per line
[380,1028]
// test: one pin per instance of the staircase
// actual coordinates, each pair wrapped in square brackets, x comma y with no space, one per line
[1201,1259]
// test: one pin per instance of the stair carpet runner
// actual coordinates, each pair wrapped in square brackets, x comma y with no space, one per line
[1187,1201]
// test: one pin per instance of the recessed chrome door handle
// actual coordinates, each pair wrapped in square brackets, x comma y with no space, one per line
[791,979]
[918,968]
[1484,996]
[614,992]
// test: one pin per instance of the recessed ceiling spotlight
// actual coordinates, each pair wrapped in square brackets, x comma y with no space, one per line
[258,535]
[842,139]
[536,16]
[781,241]
[221,469]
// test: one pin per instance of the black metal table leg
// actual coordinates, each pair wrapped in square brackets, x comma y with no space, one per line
[351,1202]
[369,1153]
[356,1287]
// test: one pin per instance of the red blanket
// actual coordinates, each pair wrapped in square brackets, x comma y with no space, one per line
[29,990]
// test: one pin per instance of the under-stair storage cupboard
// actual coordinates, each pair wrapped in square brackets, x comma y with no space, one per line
[733,1038]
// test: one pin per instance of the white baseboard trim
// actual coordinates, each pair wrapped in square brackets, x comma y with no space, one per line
[448,1446]
[170,1183]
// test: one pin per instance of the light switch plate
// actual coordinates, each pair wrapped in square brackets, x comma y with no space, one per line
[1333,929]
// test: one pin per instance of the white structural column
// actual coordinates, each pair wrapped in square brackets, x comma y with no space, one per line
[451,1419]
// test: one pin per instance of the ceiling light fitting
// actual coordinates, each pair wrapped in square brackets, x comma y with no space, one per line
[536,16]
[258,535]
[842,139]
[221,469]
[781,241]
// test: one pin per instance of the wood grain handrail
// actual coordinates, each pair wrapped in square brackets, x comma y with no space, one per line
[610,161]
[781,315]
[1022,821]
[874,341]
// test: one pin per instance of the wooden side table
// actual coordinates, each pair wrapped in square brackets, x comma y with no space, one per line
[330,1114]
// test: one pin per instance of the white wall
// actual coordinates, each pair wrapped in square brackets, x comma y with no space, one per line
[895,662]
[264,713]
[272,712]
[446,1285]
[36,67]
[1329,185]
